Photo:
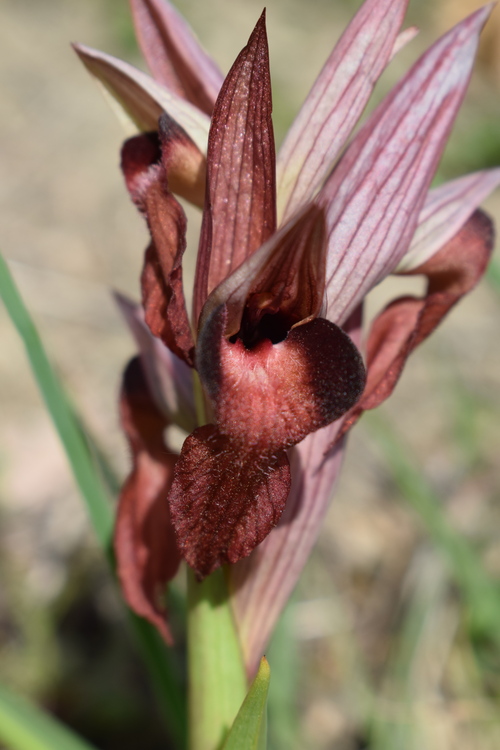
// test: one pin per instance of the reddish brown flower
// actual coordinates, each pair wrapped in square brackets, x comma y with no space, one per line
[290,246]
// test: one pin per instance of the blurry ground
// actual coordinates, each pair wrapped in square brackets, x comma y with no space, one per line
[381,618]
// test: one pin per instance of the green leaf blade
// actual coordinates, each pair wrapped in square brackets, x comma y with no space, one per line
[70,433]
[250,726]
[24,727]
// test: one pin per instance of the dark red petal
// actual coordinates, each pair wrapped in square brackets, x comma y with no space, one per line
[149,186]
[223,501]
[240,208]
[146,552]
[173,53]
[139,156]
[272,396]
[293,277]
[286,274]
[162,292]
[405,323]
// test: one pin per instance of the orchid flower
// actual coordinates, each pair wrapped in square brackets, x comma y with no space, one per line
[290,246]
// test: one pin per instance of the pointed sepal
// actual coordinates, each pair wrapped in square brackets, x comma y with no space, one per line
[240,208]
[173,53]
[141,97]
[447,208]
[376,192]
[336,101]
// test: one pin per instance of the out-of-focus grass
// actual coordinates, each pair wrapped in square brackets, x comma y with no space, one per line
[79,452]
[283,693]
[481,594]
[493,274]
[68,427]
[24,727]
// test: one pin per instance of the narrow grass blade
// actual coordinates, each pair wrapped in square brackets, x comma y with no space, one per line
[283,693]
[249,731]
[493,274]
[25,727]
[84,458]
[402,688]
[75,445]
[480,592]
[165,676]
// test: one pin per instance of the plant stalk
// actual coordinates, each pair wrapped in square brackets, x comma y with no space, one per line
[217,680]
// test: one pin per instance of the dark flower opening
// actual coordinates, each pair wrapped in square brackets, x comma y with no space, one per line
[257,326]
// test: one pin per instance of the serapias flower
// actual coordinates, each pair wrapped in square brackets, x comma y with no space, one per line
[289,248]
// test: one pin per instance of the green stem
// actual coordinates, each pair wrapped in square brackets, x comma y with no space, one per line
[217,680]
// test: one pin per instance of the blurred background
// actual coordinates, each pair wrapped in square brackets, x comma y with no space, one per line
[392,639]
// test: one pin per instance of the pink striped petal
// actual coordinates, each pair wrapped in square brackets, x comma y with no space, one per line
[141,97]
[174,55]
[447,208]
[376,193]
[395,333]
[261,584]
[336,101]
[169,379]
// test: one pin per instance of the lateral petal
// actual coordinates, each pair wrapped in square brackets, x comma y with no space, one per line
[446,210]
[336,101]
[146,551]
[240,208]
[161,281]
[169,379]
[142,98]
[405,323]
[173,53]
[377,191]
[289,269]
